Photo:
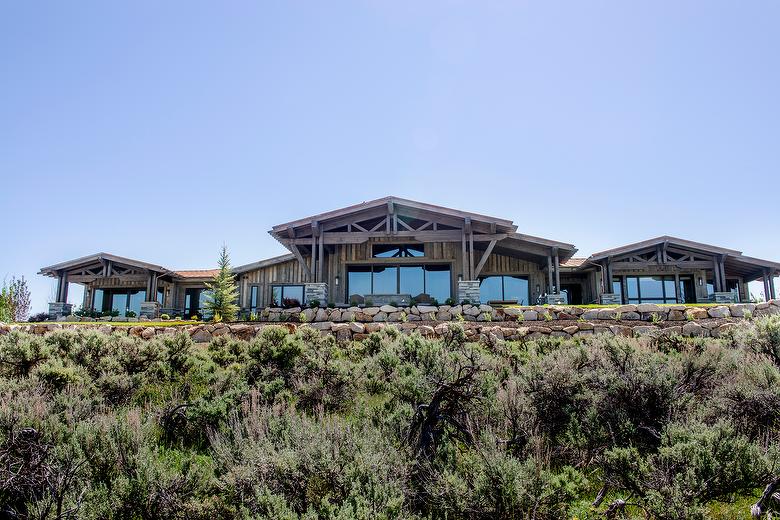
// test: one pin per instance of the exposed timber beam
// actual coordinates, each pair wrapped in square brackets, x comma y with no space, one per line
[484,258]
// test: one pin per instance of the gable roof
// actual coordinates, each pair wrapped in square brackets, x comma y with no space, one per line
[197,273]
[687,244]
[98,257]
[384,201]
[264,263]
[748,267]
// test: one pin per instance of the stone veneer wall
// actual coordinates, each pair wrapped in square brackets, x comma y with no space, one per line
[503,324]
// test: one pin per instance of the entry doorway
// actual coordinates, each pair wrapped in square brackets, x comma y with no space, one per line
[573,293]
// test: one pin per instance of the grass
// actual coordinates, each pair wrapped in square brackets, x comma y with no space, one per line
[600,306]
[166,323]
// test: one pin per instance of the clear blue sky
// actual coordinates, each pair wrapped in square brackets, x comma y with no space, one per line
[159,130]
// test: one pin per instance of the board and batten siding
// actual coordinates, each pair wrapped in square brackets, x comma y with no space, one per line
[344,255]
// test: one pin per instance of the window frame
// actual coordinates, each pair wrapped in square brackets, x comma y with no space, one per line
[397,267]
[524,277]
[402,248]
[667,300]
[283,286]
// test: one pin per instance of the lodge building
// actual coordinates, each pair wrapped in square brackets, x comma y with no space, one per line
[400,251]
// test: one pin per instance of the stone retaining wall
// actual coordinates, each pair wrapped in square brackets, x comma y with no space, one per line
[627,320]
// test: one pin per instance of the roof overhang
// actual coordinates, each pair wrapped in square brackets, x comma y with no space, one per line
[85,261]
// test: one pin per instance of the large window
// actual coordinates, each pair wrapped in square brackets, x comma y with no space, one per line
[650,289]
[286,295]
[398,250]
[194,301]
[421,282]
[120,300]
[504,288]
[253,298]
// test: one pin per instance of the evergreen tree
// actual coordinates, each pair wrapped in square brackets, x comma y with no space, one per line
[223,291]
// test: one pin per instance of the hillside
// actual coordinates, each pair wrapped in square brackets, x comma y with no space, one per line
[396,426]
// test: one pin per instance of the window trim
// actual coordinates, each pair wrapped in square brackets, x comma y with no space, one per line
[525,277]
[398,267]
[401,249]
[283,285]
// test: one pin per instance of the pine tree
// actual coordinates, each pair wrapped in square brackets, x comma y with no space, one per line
[223,291]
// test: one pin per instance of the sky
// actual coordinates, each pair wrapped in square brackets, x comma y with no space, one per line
[161,130]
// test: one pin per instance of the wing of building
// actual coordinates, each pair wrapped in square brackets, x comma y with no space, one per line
[399,250]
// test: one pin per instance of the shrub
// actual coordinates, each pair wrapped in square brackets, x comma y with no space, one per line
[41,316]
[165,317]
[314,304]
[130,314]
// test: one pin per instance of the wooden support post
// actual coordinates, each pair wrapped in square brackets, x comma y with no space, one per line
[313,259]
[716,274]
[464,259]
[766,285]
[722,267]
[320,257]
[557,267]
[677,294]
[549,274]
[470,232]
[772,285]
[609,275]
[471,255]
[62,288]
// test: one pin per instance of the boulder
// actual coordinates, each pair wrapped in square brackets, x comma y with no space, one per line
[646,330]
[719,312]
[425,330]
[693,329]
[622,330]
[591,314]
[676,315]
[351,315]
[374,327]
[148,333]
[322,325]
[696,313]
[424,309]
[380,316]
[322,315]
[443,316]
[571,329]
[200,335]
[738,310]
[371,311]
[357,328]
[387,309]
[471,310]
[334,315]
[649,308]
[513,311]
[530,315]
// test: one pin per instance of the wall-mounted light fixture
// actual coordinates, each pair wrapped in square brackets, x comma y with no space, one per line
[337,280]
[701,282]
[460,277]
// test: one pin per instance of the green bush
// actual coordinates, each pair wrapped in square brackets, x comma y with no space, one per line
[296,425]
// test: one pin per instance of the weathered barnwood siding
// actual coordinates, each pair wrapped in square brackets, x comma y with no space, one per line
[341,256]
[502,264]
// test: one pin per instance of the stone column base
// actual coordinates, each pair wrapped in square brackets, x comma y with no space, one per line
[150,310]
[58,310]
[468,290]
[610,299]
[555,299]
[724,297]
[315,291]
